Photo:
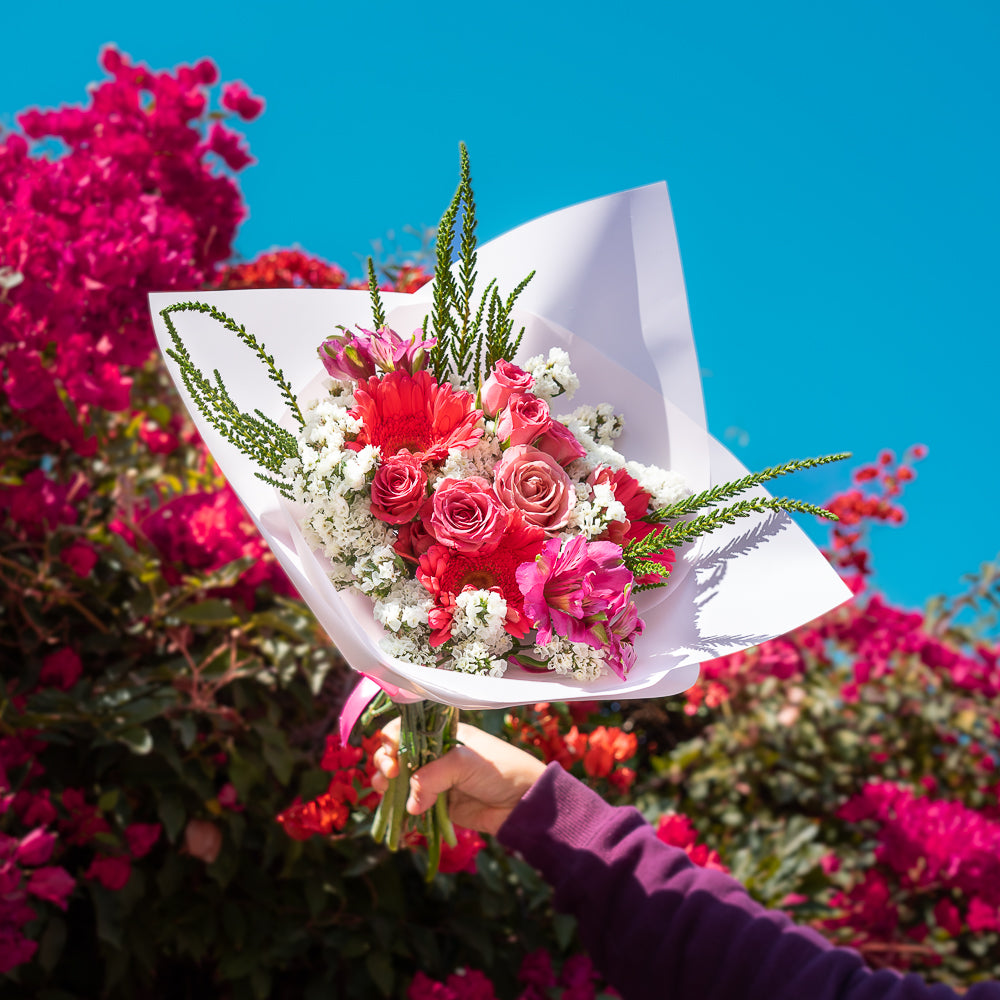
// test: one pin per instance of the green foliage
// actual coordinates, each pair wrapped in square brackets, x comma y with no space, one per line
[637,552]
[726,491]
[465,349]
[258,437]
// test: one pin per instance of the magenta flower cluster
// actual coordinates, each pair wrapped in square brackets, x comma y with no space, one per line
[926,845]
[134,204]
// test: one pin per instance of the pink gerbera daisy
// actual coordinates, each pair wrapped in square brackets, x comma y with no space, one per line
[413,413]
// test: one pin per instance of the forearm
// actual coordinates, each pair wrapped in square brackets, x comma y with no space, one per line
[659,927]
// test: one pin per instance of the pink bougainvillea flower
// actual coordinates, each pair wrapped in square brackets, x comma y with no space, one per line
[36,847]
[237,97]
[228,146]
[678,831]
[80,557]
[141,837]
[111,871]
[51,883]
[61,668]
[402,412]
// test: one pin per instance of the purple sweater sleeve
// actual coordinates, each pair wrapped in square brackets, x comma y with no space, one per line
[659,927]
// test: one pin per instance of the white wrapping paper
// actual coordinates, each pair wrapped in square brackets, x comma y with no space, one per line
[609,289]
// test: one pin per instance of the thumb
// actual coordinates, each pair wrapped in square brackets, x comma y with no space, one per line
[434,779]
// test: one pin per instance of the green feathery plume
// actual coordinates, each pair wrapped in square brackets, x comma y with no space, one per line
[638,554]
[378,312]
[463,347]
[256,435]
[717,494]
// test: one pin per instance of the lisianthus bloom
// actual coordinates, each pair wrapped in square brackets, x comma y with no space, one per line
[402,412]
[446,573]
[582,591]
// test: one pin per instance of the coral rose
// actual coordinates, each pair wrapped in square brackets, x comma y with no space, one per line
[467,516]
[398,489]
[534,484]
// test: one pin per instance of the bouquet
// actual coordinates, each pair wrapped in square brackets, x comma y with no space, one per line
[443,476]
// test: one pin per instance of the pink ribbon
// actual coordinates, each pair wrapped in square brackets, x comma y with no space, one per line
[361,697]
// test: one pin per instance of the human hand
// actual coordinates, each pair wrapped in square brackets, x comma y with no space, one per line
[484,777]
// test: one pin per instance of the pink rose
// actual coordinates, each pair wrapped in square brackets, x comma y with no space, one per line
[506,379]
[525,418]
[467,516]
[560,442]
[534,484]
[398,489]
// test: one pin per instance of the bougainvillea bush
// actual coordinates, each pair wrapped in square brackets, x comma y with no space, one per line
[176,817]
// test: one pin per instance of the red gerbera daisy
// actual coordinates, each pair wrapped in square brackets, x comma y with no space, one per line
[446,573]
[414,413]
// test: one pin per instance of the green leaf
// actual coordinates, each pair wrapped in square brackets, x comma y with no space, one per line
[53,941]
[214,611]
[138,740]
[172,814]
[379,966]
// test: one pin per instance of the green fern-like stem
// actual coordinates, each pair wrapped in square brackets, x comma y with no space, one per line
[255,434]
[726,491]
[637,552]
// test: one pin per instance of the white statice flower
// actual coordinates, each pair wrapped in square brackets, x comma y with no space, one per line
[405,607]
[358,467]
[474,657]
[575,659]
[598,422]
[377,569]
[482,614]
[553,375]
[592,514]
[664,486]
[409,648]
[463,463]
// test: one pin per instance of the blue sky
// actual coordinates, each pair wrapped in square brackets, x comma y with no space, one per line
[832,168]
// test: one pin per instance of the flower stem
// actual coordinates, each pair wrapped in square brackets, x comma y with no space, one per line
[427,730]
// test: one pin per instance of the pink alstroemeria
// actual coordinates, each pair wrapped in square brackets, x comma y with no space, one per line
[392,353]
[361,355]
[347,356]
[581,590]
